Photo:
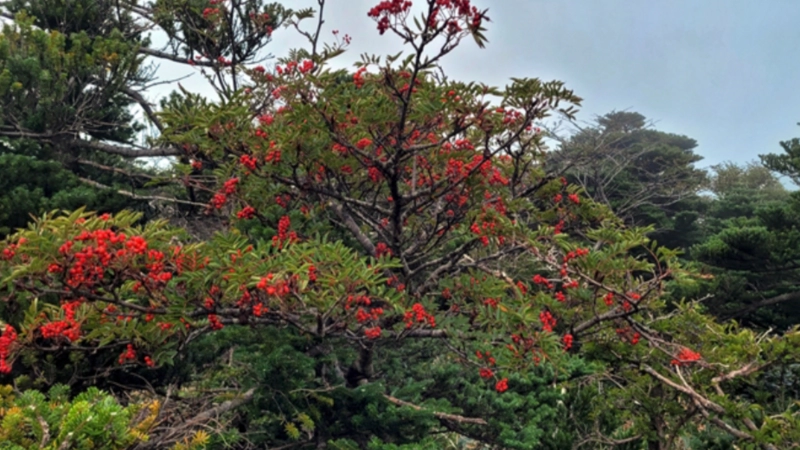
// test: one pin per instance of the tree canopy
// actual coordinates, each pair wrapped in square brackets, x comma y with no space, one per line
[646,176]
[397,260]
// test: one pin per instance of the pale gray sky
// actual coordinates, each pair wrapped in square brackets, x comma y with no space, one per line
[724,72]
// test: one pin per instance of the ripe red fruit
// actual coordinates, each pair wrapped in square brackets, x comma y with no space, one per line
[373,333]
[567,341]
[685,357]
[502,385]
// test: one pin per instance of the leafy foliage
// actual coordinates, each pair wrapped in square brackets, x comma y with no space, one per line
[93,419]
[401,268]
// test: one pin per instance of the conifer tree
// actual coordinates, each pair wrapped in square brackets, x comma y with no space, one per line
[400,268]
[646,176]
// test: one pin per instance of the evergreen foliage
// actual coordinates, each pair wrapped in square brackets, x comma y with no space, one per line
[399,262]
[647,177]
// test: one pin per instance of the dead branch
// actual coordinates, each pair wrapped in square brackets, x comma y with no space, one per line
[128,152]
[438,415]
[140,197]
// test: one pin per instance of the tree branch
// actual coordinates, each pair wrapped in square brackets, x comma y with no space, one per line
[128,152]
[352,226]
[140,197]
[148,109]
[789,296]
[174,58]
[438,415]
[703,403]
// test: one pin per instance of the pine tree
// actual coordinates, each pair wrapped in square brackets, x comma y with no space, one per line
[646,176]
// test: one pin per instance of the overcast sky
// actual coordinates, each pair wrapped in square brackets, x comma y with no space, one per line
[723,72]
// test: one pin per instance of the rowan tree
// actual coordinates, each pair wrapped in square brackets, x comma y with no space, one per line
[400,264]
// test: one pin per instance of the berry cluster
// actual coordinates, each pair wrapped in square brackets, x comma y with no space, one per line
[685,357]
[219,199]
[388,8]
[6,341]
[419,315]
[284,235]
[548,321]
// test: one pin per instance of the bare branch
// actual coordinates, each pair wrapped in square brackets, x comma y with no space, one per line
[174,58]
[438,415]
[148,109]
[352,226]
[789,296]
[128,152]
[140,197]
[114,169]
[741,372]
